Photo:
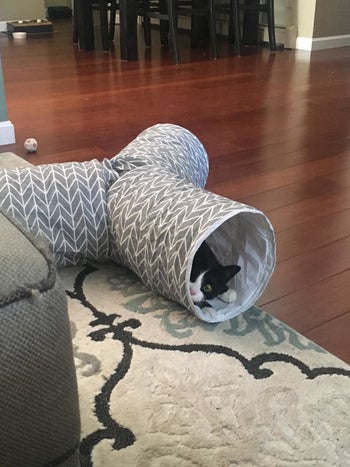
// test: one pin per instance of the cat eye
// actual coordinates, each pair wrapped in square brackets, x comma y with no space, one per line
[207,288]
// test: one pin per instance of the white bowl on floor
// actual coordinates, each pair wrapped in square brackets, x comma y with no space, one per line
[19,35]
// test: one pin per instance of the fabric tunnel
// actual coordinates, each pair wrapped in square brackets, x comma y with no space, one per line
[158,222]
[146,208]
[160,214]
[65,204]
[166,146]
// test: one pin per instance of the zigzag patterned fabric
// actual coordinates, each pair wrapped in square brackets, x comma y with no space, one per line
[145,208]
[63,203]
[158,221]
[167,146]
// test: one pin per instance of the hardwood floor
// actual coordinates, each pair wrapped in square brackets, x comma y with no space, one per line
[276,128]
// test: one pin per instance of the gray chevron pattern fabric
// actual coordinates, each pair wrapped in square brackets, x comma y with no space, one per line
[63,203]
[147,209]
[167,146]
[158,222]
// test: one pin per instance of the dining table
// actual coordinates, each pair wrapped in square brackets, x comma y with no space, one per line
[128,27]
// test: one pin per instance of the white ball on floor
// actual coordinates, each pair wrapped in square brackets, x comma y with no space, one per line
[31,144]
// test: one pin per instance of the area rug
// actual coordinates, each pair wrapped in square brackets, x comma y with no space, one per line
[159,388]
[8,160]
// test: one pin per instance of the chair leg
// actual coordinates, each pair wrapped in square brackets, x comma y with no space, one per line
[104,25]
[212,28]
[173,30]
[147,33]
[271,25]
[231,33]
[164,31]
[163,24]
[75,24]
[112,18]
[236,29]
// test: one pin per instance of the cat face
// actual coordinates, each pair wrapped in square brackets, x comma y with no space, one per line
[211,283]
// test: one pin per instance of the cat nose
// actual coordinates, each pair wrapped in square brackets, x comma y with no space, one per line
[192,292]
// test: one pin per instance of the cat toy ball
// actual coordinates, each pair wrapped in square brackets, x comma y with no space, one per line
[31,144]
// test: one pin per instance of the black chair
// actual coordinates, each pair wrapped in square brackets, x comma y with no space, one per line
[168,11]
[107,26]
[165,12]
[250,7]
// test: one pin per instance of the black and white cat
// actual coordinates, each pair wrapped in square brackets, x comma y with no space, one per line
[208,278]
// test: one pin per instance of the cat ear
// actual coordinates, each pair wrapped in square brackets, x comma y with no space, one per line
[231,271]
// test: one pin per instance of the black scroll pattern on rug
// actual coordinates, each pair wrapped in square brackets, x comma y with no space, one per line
[122,331]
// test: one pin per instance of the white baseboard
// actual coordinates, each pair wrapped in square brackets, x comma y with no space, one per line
[7,133]
[319,43]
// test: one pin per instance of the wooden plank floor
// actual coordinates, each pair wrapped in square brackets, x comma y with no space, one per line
[276,127]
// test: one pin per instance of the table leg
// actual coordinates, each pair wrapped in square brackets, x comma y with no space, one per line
[83,9]
[251,25]
[163,25]
[128,29]
[199,28]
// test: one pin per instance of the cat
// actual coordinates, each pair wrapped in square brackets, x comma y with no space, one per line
[208,278]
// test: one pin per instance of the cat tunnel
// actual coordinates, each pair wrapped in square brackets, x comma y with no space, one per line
[146,208]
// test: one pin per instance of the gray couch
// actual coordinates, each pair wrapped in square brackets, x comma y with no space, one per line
[40,424]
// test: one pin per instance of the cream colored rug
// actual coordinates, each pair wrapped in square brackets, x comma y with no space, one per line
[159,388]
[9,160]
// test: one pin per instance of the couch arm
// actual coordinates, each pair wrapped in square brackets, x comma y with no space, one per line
[39,408]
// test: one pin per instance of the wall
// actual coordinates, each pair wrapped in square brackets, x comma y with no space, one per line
[285,16]
[306,17]
[21,9]
[7,131]
[3,108]
[58,3]
[332,18]
[285,12]
[323,24]
[286,23]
